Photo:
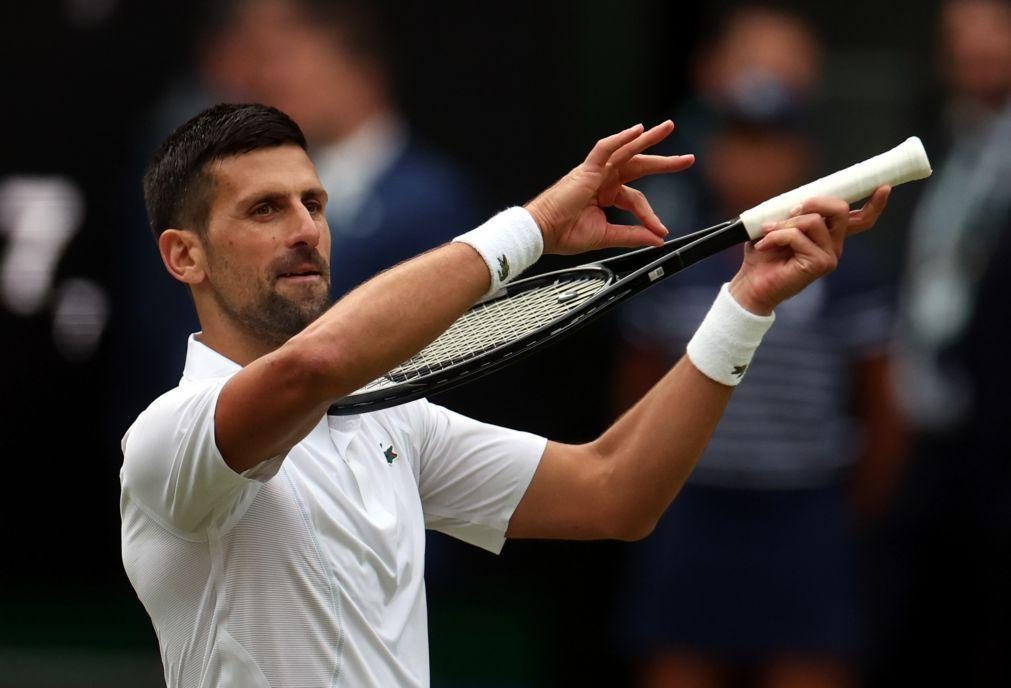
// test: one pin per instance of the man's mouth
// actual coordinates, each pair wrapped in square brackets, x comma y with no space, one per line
[301,267]
[300,275]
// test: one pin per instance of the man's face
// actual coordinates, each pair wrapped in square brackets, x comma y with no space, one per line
[268,243]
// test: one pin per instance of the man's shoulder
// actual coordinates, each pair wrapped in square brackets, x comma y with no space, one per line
[172,408]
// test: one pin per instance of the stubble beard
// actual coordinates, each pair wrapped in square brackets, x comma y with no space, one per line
[273,318]
[270,317]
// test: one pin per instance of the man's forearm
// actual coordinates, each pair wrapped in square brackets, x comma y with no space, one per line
[396,314]
[392,316]
[654,447]
[276,400]
[620,484]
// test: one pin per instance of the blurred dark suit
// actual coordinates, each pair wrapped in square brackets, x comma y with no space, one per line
[943,576]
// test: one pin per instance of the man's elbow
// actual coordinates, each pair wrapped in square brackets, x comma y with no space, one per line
[316,368]
[624,516]
[632,528]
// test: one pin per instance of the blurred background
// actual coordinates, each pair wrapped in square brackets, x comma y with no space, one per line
[851,523]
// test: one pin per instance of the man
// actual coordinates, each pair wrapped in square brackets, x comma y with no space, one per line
[274,545]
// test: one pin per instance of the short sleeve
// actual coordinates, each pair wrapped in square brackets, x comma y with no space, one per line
[172,466]
[473,475]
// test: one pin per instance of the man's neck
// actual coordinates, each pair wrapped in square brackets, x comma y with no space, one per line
[233,344]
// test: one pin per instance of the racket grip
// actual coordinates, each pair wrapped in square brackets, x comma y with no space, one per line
[904,163]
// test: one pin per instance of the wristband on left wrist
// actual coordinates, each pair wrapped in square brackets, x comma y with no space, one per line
[509,243]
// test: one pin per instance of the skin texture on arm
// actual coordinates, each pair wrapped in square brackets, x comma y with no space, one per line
[613,487]
[619,485]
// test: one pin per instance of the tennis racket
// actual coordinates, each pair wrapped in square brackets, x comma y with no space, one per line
[529,314]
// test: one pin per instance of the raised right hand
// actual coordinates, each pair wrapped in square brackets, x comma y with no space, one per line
[570,212]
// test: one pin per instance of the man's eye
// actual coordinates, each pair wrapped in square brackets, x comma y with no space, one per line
[263,210]
[314,207]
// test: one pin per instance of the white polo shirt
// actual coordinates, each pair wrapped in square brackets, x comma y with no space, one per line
[308,569]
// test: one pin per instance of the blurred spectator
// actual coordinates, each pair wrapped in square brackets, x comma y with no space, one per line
[325,63]
[944,577]
[753,567]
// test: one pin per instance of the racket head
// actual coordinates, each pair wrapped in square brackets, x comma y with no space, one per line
[514,322]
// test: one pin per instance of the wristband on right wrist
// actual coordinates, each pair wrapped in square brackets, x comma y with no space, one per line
[726,340]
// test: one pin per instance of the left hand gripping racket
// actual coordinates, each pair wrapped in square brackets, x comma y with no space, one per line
[527,315]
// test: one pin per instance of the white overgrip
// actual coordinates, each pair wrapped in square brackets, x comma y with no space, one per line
[904,163]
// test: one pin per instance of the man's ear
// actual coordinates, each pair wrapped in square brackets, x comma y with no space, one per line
[182,252]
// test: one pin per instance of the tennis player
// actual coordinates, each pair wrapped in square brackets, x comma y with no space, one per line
[273,545]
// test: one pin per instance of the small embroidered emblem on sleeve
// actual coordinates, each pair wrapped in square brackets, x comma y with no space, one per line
[739,370]
[503,268]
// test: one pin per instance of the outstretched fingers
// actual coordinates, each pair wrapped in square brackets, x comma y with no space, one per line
[644,165]
[614,169]
[606,147]
[645,140]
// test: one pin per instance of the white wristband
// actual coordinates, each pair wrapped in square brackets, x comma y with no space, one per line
[510,242]
[727,339]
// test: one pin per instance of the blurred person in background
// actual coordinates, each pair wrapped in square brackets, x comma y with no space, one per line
[328,63]
[752,571]
[944,556]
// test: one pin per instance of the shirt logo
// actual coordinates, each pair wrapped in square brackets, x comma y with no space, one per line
[389,453]
[739,370]
[503,267]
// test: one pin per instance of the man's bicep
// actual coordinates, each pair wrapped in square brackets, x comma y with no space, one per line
[566,498]
[262,414]
[471,475]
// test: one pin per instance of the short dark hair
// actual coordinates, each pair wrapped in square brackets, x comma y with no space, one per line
[177,186]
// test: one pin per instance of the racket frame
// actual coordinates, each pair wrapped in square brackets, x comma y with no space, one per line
[627,274]
[906,162]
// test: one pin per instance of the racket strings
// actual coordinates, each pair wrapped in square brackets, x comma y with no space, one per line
[493,324]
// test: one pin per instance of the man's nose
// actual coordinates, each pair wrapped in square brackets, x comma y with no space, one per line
[305,230]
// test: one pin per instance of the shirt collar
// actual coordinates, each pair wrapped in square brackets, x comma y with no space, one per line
[343,429]
[203,362]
